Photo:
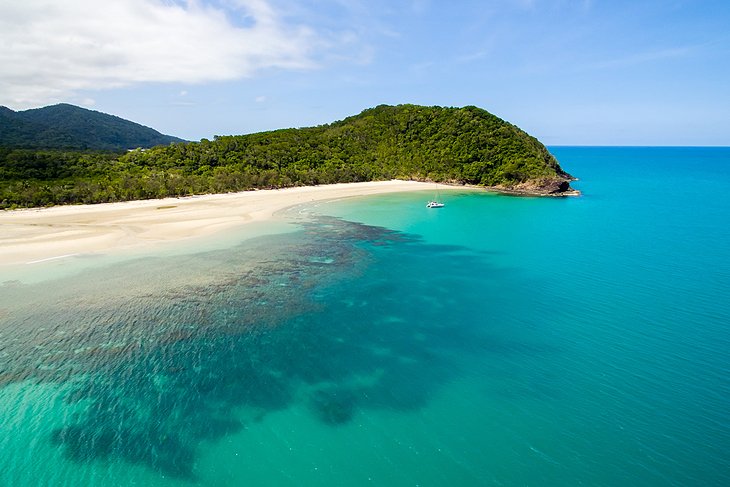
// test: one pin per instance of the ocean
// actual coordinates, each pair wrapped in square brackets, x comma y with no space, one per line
[499,340]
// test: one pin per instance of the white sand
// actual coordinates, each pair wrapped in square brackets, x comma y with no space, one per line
[41,235]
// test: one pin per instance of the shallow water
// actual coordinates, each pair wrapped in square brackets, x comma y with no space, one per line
[496,341]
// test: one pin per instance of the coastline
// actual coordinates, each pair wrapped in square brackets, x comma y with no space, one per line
[519,191]
[553,188]
[32,236]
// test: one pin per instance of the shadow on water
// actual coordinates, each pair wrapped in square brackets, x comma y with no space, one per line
[341,317]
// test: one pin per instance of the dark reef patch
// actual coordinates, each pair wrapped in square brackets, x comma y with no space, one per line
[168,356]
[333,406]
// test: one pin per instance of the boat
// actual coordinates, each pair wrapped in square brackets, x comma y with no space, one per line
[435,203]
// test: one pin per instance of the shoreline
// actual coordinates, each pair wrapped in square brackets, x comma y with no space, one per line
[550,188]
[37,235]
[517,192]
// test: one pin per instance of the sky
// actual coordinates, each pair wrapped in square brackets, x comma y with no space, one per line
[569,72]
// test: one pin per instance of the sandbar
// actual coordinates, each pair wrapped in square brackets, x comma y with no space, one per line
[32,236]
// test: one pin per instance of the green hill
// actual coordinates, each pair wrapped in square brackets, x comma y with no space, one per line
[461,145]
[455,145]
[70,127]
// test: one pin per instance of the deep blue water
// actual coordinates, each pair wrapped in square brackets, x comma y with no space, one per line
[497,341]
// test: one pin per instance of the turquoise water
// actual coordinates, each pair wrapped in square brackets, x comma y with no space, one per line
[496,341]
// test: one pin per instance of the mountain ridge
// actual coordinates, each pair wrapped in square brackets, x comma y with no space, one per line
[70,127]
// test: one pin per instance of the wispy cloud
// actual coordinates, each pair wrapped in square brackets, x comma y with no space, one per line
[422,67]
[420,6]
[526,4]
[473,56]
[640,58]
[50,50]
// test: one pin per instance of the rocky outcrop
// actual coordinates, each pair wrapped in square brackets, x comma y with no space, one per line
[559,186]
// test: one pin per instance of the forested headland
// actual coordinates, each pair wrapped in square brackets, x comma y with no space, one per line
[456,145]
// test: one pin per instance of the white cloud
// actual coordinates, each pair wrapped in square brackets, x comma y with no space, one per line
[49,50]
[260,99]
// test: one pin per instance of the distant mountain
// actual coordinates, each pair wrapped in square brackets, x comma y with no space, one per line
[69,127]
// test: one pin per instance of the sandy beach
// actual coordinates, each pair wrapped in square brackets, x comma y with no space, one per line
[40,235]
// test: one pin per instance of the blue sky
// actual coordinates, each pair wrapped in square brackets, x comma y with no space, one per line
[583,72]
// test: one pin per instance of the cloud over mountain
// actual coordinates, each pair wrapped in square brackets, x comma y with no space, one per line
[49,50]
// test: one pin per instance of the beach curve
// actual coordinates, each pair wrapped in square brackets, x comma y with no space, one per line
[31,236]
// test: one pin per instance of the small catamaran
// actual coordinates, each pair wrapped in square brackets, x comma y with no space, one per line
[435,203]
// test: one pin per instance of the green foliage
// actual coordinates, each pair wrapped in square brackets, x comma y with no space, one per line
[465,145]
[70,127]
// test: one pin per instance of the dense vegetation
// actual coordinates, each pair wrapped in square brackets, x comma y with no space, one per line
[465,145]
[70,127]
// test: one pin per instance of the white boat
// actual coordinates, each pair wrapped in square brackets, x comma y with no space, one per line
[435,203]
